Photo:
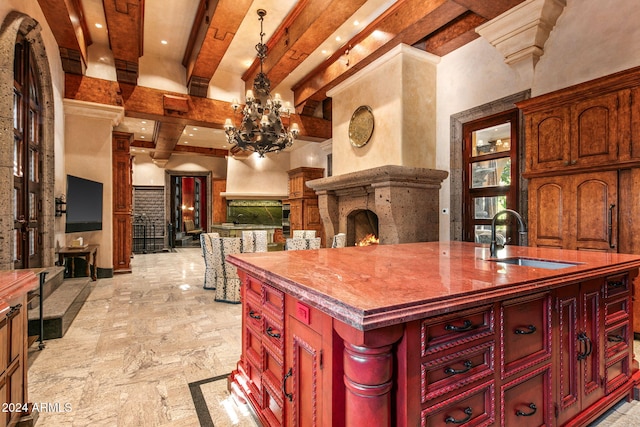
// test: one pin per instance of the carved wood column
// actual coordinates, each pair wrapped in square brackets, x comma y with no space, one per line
[368,374]
[122,202]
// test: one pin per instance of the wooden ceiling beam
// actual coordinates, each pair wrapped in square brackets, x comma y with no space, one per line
[452,36]
[69,27]
[306,27]
[488,9]
[214,27]
[148,103]
[125,23]
[406,21]
[168,135]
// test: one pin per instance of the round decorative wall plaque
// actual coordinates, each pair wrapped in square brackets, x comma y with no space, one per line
[361,126]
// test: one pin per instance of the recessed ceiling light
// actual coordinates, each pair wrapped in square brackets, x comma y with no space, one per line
[338,39]
[195,128]
[142,136]
[164,42]
[144,122]
[324,51]
[143,128]
[98,25]
[186,142]
[190,134]
[356,23]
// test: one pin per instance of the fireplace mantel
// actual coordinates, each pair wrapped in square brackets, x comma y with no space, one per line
[405,199]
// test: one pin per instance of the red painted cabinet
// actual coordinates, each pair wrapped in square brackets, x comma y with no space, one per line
[550,357]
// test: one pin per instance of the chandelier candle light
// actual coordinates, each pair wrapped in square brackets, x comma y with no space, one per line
[261,130]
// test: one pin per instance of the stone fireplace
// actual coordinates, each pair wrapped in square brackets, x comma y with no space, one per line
[404,200]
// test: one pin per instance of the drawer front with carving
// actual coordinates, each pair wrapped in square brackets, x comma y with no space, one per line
[617,309]
[617,339]
[616,285]
[526,400]
[525,331]
[616,372]
[450,373]
[474,407]
[460,328]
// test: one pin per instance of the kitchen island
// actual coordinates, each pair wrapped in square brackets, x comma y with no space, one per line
[435,334]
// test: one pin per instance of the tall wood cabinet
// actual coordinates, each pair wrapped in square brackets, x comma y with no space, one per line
[14,287]
[304,212]
[583,161]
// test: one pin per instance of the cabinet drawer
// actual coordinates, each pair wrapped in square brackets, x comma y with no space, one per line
[253,347]
[525,332]
[273,335]
[526,400]
[273,373]
[273,302]
[253,287]
[255,380]
[616,373]
[456,329]
[616,285]
[616,340]
[273,407]
[616,310]
[253,314]
[458,370]
[475,407]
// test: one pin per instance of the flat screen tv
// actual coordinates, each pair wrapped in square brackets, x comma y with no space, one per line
[84,205]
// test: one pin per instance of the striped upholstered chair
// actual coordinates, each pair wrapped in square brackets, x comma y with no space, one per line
[254,241]
[297,244]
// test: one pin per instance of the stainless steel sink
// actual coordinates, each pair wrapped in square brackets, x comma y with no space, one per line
[536,263]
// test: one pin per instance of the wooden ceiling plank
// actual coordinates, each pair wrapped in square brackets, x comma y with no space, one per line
[404,22]
[215,26]
[148,103]
[306,28]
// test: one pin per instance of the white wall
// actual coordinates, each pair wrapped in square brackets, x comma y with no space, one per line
[591,39]
[256,177]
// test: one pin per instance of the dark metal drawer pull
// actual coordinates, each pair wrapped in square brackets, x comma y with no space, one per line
[466,326]
[582,337]
[450,420]
[289,396]
[617,284]
[533,407]
[271,333]
[531,329]
[467,365]
[615,338]
[253,315]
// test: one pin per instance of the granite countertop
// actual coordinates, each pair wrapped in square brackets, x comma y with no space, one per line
[374,286]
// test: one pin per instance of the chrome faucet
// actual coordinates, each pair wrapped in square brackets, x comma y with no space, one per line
[522,228]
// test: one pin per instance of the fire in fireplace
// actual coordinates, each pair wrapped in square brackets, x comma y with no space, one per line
[369,239]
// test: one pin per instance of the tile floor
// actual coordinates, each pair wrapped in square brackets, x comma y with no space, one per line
[146,346]
[136,345]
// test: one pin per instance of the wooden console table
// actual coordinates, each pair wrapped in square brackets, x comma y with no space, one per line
[87,252]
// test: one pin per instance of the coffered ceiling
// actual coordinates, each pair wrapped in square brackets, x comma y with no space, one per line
[313,45]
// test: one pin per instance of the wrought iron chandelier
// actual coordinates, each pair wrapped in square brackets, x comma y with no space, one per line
[262,129]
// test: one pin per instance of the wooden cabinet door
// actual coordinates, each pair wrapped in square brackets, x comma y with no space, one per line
[303,382]
[594,131]
[594,221]
[547,136]
[574,211]
[296,216]
[549,208]
[579,351]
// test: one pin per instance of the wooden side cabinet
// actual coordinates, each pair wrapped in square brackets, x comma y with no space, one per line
[14,287]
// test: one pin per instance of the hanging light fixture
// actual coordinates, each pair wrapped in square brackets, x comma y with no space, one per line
[262,129]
